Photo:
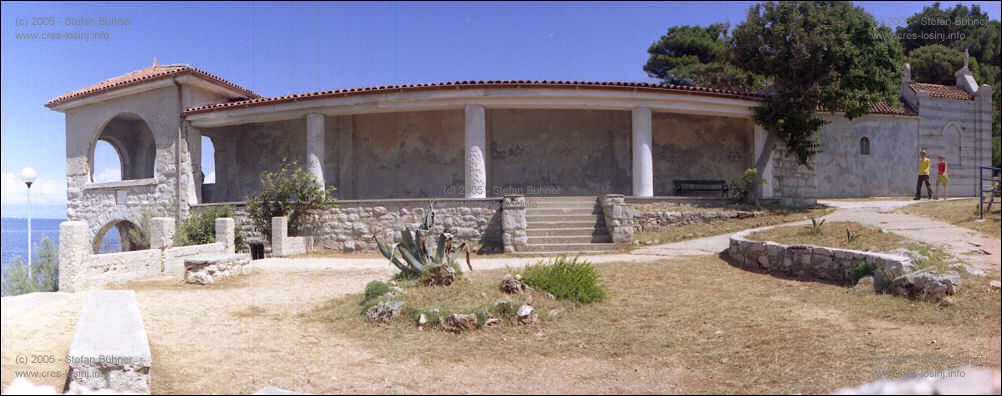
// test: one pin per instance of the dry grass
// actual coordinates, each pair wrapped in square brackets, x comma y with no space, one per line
[767,216]
[961,213]
[699,325]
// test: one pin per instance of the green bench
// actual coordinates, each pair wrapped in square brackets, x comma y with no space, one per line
[684,186]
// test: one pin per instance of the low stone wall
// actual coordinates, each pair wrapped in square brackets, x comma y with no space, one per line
[813,262]
[79,269]
[654,221]
[619,218]
[203,270]
[351,226]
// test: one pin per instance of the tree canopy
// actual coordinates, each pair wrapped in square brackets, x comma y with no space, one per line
[693,55]
[819,55]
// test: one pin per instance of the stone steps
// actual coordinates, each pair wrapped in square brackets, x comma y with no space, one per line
[541,232]
[566,225]
[544,240]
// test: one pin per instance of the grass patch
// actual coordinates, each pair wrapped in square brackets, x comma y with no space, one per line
[767,215]
[698,325]
[567,279]
[961,213]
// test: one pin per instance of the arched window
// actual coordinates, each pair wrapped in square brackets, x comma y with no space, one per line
[864,146]
[124,150]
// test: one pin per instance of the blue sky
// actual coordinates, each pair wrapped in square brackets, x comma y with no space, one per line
[276,49]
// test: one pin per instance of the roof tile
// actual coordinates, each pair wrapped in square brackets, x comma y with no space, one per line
[941,91]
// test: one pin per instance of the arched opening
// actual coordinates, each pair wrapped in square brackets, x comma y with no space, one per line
[951,144]
[119,236]
[864,146]
[124,150]
[207,169]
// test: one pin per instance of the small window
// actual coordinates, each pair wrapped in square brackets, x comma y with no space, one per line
[864,146]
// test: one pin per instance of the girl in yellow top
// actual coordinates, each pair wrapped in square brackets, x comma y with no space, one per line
[942,178]
[923,176]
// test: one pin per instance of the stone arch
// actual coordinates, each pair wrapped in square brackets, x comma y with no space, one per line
[864,146]
[952,133]
[123,227]
[132,138]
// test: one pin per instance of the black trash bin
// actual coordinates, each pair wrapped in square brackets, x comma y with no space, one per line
[257,250]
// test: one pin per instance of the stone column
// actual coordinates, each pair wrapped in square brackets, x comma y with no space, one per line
[162,232]
[643,160]
[195,151]
[513,223]
[476,142]
[226,233]
[618,217]
[315,146]
[279,235]
[74,248]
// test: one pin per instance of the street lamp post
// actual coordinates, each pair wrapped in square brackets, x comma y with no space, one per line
[28,176]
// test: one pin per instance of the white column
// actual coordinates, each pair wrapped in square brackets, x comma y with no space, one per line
[643,160]
[315,146]
[476,141]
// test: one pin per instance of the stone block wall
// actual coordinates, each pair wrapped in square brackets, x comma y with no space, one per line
[657,220]
[816,263]
[618,218]
[792,183]
[513,223]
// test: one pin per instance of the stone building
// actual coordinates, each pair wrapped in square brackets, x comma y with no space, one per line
[392,151]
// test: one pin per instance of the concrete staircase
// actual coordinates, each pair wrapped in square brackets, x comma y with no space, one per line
[566,225]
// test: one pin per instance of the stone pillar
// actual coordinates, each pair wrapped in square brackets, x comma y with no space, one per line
[315,146]
[643,160]
[195,151]
[162,232]
[513,223]
[618,217]
[226,232]
[279,235]
[476,143]
[74,248]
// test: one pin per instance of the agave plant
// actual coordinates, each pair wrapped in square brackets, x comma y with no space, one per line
[419,256]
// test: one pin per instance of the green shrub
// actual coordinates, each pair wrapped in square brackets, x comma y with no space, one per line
[290,192]
[861,269]
[566,278]
[376,289]
[746,185]
[43,276]
[199,227]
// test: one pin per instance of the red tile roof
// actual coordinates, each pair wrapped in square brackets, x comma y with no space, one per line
[627,86]
[941,91]
[148,74]
[884,108]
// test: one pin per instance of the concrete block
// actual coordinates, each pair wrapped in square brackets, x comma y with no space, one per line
[110,349]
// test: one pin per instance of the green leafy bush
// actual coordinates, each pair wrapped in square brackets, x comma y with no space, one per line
[290,192]
[566,278]
[376,289]
[42,277]
[199,227]
[861,269]
[746,185]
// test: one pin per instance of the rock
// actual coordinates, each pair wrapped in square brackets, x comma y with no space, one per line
[525,314]
[966,380]
[553,313]
[865,284]
[925,285]
[968,269]
[199,278]
[492,322]
[384,311]
[995,285]
[422,320]
[458,323]
[915,256]
[466,234]
[512,284]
